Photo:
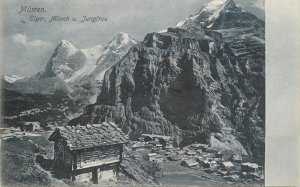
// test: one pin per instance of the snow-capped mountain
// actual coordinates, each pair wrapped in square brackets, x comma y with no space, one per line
[220,14]
[71,73]
[208,14]
[72,64]
[78,72]
[115,49]
[11,78]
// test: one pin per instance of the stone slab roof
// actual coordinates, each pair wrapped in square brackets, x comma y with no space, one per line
[88,136]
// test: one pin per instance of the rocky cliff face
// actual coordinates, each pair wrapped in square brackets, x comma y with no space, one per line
[202,81]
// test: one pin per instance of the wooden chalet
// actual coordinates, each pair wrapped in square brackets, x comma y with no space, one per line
[90,153]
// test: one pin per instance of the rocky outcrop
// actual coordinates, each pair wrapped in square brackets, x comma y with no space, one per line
[197,82]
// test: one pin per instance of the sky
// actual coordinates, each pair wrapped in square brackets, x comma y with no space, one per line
[28,45]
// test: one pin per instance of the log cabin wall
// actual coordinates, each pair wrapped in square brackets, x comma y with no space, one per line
[62,160]
[98,156]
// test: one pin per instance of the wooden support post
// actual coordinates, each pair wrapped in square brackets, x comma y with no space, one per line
[120,159]
[95,176]
[74,168]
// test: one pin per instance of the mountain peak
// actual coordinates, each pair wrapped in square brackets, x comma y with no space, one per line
[216,5]
[67,47]
[66,43]
[208,13]
[11,78]
[121,39]
[124,37]
[220,14]
[212,10]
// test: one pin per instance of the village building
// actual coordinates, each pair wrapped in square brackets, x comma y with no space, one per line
[139,146]
[148,146]
[227,166]
[170,148]
[207,155]
[151,156]
[199,151]
[191,153]
[199,159]
[167,153]
[90,153]
[173,157]
[159,158]
[209,164]
[155,157]
[155,150]
[249,167]
[181,152]
[189,163]
[198,146]
[30,126]
[160,140]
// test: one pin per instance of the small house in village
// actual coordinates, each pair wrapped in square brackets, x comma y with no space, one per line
[30,126]
[151,156]
[173,157]
[189,163]
[249,167]
[159,141]
[90,153]
[209,163]
[138,146]
[227,166]
[191,153]
[155,157]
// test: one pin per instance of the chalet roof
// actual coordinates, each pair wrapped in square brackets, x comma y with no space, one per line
[199,145]
[227,164]
[153,136]
[138,145]
[88,136]
[251,165]
[152,154]
[31,123]
[225,152]
[190,162]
